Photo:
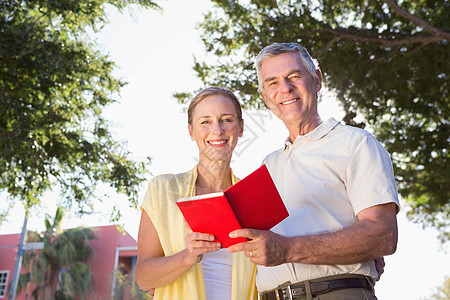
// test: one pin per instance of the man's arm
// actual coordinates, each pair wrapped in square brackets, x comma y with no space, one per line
[375,234]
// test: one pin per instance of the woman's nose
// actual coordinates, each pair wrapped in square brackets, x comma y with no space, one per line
[217,128]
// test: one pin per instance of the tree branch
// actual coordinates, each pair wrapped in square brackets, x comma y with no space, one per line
[427,27]
[393,41]
[430,35]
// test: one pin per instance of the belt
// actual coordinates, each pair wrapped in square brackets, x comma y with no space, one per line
[295,291]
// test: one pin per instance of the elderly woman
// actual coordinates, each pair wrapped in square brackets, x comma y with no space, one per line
[179,263]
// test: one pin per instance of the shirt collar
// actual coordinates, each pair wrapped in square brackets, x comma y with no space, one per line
[317,133]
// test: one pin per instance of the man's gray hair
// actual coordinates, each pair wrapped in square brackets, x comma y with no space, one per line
[310,63]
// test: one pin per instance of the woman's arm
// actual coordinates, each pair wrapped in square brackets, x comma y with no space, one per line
[153,269]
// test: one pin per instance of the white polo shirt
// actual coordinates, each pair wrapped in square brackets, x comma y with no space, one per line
[325,179]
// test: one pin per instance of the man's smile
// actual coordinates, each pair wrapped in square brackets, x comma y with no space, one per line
[290,101]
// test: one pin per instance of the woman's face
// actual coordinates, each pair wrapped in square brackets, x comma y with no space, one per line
[215,128]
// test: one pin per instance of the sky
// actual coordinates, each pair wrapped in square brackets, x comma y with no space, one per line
[154,53]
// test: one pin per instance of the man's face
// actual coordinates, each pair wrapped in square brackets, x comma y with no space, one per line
[289,90]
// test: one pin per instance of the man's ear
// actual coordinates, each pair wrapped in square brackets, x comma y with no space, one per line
[190,132]
[318,80]
[264,98]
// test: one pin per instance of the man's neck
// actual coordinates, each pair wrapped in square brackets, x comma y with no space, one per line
[302,127]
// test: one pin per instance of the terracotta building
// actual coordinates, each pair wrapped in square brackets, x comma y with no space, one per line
[114,251]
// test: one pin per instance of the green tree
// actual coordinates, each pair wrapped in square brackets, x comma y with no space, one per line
[54,84]
[387,62]
[62,261]
[127,288]
[442,293]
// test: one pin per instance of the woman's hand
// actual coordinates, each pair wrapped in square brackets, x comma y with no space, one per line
[197,244]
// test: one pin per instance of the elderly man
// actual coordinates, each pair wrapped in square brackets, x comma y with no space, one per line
[337,183]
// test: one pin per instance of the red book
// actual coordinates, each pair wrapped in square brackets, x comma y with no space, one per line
[253,202]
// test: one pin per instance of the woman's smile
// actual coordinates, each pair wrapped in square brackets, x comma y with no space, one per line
[217,143]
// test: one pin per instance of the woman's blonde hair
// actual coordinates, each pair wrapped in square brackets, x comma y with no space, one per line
[213,91]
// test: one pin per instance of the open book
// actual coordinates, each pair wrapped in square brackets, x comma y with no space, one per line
[253,202]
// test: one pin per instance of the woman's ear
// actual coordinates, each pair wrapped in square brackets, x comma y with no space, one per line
[241,132]
[190,132]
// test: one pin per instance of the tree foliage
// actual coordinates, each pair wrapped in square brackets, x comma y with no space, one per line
[127,288]
[62,261]
[54,84]
[387,61]
[443,292]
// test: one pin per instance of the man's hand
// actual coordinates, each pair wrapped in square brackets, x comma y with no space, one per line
[264,248]
[379,265]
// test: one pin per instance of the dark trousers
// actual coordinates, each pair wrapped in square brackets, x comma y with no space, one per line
[346,294]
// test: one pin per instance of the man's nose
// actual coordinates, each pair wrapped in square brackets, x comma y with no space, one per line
[285,86]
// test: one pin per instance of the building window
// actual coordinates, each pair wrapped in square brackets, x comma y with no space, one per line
[3,283]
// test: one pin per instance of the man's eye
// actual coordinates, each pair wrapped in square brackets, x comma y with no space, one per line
[204,122]
[227,120]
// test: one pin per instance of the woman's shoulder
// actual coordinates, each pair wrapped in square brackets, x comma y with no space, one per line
[170,178]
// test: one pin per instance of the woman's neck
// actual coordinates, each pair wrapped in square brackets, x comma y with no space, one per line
[213,177]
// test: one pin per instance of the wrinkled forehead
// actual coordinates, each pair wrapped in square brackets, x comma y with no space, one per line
[282,65]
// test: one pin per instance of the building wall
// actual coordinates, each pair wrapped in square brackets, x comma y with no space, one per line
[8,256]
[109,239]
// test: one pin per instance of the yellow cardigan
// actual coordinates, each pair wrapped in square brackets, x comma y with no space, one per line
[159,203]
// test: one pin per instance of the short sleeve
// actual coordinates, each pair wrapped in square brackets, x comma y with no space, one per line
[369,175]
[150,203]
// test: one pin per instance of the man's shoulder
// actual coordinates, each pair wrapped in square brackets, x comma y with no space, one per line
[273,154]
[352,131]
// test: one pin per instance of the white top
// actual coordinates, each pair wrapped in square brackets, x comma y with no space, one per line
[217,274]
[325,178]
